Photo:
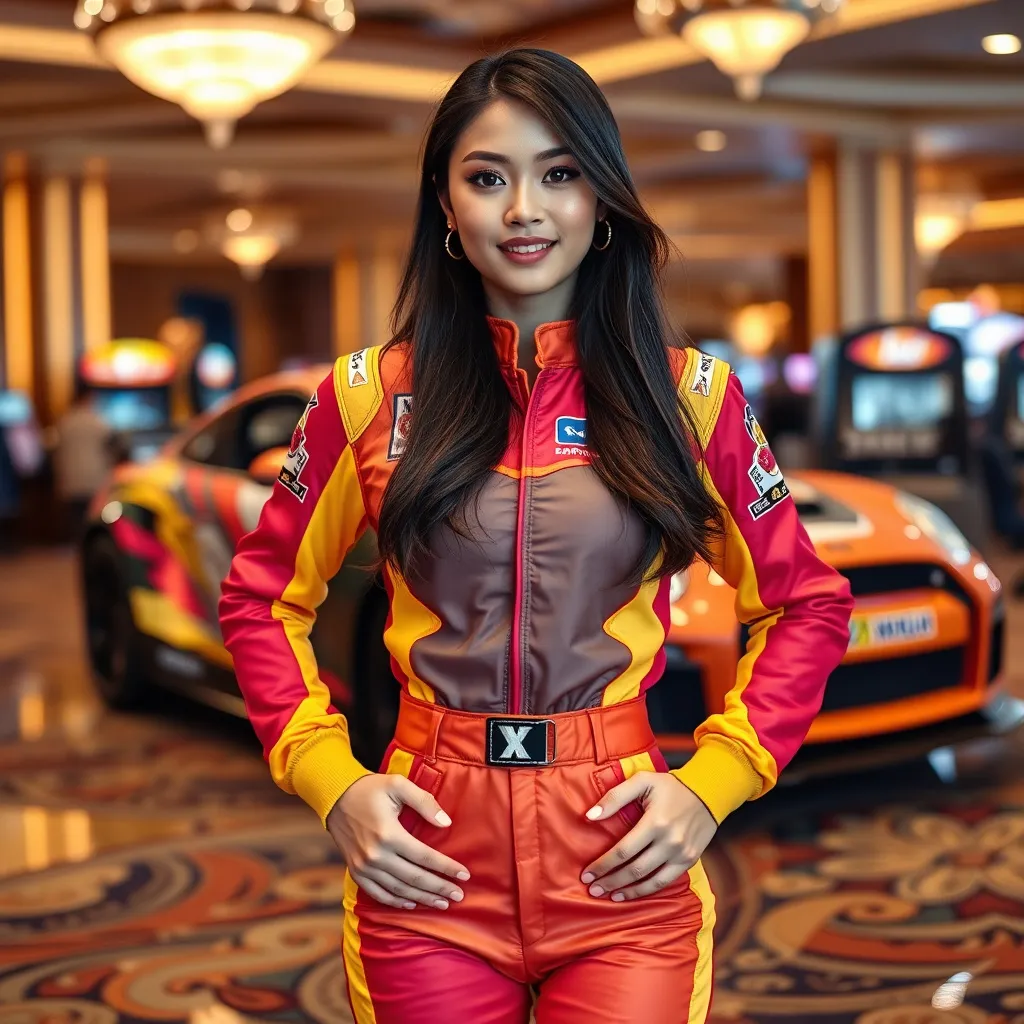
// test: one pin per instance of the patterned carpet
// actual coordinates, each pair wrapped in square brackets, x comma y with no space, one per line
[828,918]
[150,872]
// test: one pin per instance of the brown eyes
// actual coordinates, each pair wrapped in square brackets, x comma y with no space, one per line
[555,176]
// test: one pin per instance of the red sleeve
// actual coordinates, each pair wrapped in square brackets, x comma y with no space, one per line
[796,607]
[269,599]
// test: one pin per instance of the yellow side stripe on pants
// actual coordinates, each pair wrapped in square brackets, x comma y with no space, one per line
[700,998]
[400,763]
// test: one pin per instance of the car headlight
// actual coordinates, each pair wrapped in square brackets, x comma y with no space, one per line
[936,525]
[679,585]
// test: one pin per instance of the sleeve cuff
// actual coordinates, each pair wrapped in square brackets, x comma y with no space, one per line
[721,777]
[324,770]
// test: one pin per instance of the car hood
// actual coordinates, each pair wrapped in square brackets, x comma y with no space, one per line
[854,519]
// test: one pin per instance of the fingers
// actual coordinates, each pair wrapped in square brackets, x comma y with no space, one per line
[632,843]
[421,880]
[406,895]
[650,861]
[635,787]
[379,893]
[421,802]
[658,881]
[411,849]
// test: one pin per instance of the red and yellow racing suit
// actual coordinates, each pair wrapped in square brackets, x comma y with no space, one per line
[529,619]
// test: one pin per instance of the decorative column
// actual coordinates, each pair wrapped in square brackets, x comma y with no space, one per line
[58,295]
[95,256]
[19,347]
[822,248]
[347,303]
[861,252]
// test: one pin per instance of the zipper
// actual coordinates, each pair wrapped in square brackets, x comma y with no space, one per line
[516,651]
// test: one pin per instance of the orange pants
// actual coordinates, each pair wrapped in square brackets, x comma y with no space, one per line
[528,935]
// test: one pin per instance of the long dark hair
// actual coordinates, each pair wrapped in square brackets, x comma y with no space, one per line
[635,419]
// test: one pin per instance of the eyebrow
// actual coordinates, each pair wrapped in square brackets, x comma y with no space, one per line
[499,158]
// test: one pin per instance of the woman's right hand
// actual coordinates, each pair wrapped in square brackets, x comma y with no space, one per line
[385,861]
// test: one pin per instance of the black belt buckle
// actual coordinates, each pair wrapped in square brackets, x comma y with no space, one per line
[520,742]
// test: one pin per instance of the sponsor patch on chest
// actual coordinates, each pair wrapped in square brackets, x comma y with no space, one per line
[400,426]
[571,436]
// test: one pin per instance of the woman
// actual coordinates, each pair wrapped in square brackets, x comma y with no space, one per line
[538,458]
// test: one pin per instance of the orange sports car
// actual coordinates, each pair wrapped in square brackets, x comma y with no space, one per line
[926,639]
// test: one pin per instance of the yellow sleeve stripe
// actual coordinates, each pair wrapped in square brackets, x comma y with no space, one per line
[358,402]
[338,514]
[731,766]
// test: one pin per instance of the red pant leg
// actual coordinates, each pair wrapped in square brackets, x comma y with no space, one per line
[628,985]
[396,976]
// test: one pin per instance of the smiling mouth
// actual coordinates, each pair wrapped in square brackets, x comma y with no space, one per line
[523,249]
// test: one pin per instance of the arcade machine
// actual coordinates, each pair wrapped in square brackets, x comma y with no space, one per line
[891,405]
[22,459]
[984,337]
[755,373]
[131,379]
[786,415]
[1007,415]
[214,375]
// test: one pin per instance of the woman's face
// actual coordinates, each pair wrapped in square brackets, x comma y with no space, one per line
[524,213]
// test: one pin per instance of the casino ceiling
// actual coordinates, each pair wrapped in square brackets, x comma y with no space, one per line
[340,150]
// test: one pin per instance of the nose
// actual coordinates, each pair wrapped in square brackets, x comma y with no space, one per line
[525,206]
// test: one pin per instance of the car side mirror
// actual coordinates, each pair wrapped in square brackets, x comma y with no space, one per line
[266,467]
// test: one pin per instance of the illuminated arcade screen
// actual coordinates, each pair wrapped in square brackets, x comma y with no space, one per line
[901,401]
[132,409]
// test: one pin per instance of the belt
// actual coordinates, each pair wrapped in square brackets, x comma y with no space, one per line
[523,741]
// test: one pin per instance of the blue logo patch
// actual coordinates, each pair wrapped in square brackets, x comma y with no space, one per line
[571,430]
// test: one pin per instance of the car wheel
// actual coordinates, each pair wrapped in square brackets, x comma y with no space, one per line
[114,643]
[376,692]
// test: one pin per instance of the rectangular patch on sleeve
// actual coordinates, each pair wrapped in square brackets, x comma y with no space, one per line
[705,372]
[357,375]
[401,423]
[297,457]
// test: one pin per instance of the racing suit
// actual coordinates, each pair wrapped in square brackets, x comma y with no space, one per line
[523,660]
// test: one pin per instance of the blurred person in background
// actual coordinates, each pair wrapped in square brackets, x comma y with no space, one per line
[539,456]
[86,450]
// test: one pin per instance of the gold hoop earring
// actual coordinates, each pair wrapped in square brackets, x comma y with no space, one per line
[608,240]
[448,245]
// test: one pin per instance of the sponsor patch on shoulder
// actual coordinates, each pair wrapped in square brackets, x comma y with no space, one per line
[357,369]
[705,372]
[297,457]
[400,426]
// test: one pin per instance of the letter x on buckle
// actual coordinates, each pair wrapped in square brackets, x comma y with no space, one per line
[517,742]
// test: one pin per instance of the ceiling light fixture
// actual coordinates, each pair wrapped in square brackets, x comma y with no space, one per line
[711,140]
[251,238]
[217,58]
[1001,45]
[745,39]
[940,219]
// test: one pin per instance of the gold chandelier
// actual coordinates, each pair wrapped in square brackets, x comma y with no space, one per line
[251,238]
[745,39]
[216,58]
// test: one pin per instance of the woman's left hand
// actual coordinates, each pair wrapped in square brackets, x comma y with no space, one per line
[669,839]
